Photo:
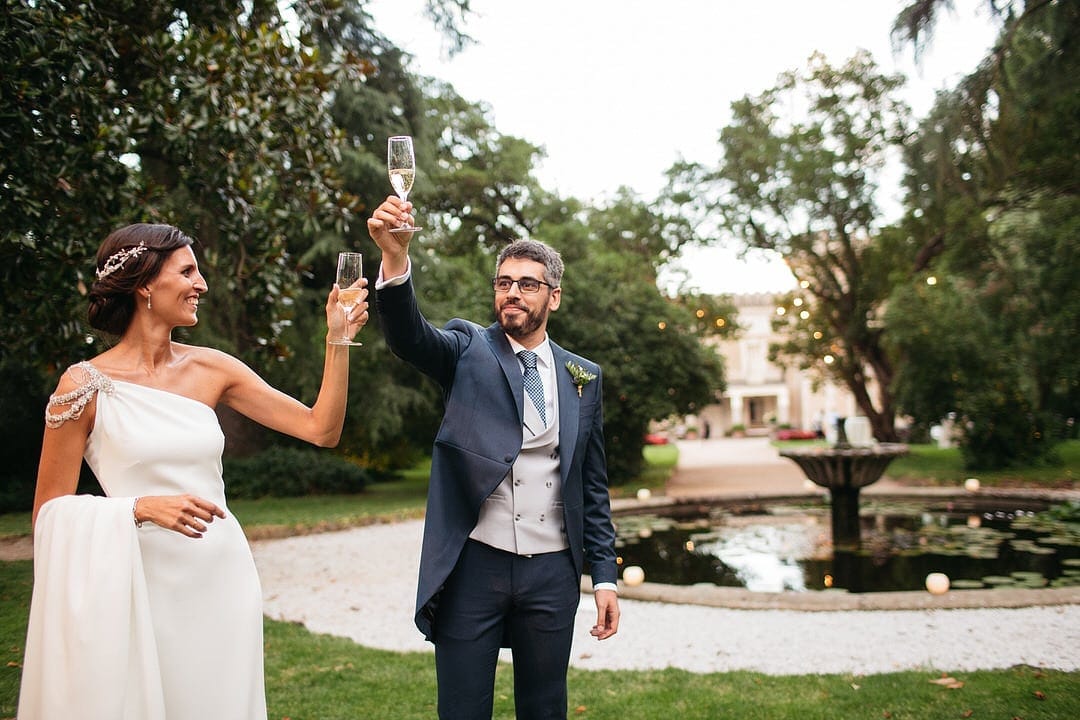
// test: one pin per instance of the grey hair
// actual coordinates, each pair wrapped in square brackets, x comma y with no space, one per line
[535,250]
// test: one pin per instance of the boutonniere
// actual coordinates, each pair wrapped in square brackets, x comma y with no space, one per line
[581,376]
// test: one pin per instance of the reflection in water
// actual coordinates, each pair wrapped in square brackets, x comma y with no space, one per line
[764,556]
[789,548]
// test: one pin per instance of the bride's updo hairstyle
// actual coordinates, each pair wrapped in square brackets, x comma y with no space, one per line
[129,259]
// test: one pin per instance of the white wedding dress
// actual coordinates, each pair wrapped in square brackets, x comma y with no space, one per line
[143,623]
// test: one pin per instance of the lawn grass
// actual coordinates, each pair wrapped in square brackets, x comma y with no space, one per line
[380,502]
[933,465]
[659,465]
[320,677]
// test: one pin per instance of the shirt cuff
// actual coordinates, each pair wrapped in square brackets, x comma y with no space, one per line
[605,586]
[394,281]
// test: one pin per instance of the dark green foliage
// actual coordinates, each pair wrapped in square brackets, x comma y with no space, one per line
[209,116]
[282,471]
[993,188]
[1068,512]
[22,422]
[957,366]
[268,147]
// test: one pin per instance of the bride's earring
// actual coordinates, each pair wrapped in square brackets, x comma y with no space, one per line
[148,306]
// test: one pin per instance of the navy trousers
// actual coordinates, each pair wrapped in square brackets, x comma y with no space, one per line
[497,599]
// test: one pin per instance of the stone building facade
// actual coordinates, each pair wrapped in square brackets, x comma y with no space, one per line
[761,395]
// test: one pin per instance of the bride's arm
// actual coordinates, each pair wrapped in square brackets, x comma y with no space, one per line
[63,443]
[322,422]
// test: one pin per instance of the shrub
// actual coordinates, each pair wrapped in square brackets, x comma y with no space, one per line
[292,472]
[22,403]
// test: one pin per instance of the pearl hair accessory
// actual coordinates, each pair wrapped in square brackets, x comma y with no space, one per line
[118,258]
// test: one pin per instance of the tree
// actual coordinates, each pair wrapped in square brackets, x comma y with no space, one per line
[476,194]
[993,187]
[798,176]
[650,346]
[213,116]
[211,119]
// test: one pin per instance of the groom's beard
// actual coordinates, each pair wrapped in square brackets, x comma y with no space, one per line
[519,326]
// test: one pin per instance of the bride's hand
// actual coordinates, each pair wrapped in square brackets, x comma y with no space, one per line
[337,325]
[186,514]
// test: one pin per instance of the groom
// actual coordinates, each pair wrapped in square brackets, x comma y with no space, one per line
[518,497]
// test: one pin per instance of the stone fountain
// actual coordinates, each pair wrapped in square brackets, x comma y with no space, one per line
[844,469]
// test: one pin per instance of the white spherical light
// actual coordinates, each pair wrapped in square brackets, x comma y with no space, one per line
[633,575]
[644,494]
[971,484]
[937,583]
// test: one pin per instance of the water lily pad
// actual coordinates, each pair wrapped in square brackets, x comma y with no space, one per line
[997,580]
[1063,540]
[967,584]
[1025,574]
[1028,578]
[1029,546]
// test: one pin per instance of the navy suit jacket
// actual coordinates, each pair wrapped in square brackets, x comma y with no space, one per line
[480,437]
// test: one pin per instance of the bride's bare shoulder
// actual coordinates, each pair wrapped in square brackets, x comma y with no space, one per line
[205,355]
[211,361]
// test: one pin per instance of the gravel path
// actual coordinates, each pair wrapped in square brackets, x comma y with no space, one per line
[360,584]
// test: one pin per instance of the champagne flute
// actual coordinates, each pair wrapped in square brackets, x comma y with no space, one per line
[350,268]
[401,164]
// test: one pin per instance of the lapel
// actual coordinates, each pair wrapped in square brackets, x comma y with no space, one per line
[510,365]
[568,402]
[569,410]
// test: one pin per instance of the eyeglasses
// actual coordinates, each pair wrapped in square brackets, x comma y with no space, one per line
[528,285]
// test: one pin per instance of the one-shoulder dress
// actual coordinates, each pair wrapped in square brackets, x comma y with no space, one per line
[116,606]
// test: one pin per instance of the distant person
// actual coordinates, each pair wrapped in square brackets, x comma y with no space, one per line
[146,602]
[817,425]
[832,427]
[518,498]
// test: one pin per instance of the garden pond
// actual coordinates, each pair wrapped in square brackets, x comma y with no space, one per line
[786,546]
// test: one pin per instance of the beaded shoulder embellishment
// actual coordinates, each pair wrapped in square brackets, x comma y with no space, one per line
[77,399]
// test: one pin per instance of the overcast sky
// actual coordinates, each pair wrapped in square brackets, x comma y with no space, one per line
[616,91]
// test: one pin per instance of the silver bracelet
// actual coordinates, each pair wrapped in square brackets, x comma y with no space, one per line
[134,505]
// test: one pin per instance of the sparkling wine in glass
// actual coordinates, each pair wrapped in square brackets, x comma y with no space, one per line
[401,164]
[350,269]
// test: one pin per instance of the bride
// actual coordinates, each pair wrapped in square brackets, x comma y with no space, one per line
[146,602]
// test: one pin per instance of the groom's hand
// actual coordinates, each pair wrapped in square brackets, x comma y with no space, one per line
[607,614]
[394,246]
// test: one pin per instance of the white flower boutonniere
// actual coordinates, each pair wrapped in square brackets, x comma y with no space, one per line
[581,376]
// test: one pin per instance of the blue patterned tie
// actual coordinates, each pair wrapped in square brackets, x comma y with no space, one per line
[533,384]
